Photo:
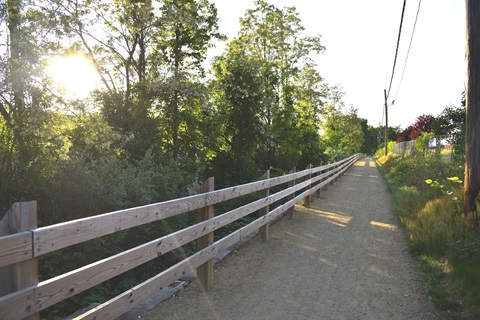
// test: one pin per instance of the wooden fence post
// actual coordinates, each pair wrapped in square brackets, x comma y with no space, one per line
[308,198]
[205,271]
[331,182]
[336,167]
[319,181]
[22,216]
[325,188]
[263,194]
[290,197]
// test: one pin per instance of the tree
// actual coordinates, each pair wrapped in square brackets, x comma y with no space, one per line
[273,37]
[188,27]
[405,134]
[423,124]
[343,132]
[236,92]
[25,123]
[369,138]
[451,125]
[309,98]
[121,54]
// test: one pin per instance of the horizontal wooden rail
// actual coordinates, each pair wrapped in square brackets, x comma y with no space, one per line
[27,245]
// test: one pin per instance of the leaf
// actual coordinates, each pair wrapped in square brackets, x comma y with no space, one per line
[428,181]
[453,179]
[436,184]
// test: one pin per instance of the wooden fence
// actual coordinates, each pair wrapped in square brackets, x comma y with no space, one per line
[21,242]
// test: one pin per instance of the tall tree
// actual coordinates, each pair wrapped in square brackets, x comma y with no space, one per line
[149,56]
[451,125]
[236,93]
[370,138]
[24,120]
[274,38]
[120,52]
[188,29]
[424,123]
[342,129]
[309,98]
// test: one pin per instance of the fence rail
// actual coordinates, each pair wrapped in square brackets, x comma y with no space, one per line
[24,246]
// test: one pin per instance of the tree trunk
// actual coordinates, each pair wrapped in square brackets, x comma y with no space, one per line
[472,131]
[175,113]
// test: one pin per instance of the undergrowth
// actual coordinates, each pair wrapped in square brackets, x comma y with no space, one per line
[427,198]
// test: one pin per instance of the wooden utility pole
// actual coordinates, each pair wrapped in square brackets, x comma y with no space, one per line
[386,122]
[472,130]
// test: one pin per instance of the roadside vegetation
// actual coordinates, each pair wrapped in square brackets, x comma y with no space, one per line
[427,195]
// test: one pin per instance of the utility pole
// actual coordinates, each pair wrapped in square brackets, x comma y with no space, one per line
[386,122]
[472,129]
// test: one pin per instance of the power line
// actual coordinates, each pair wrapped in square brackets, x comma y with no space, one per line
[408,52]
[396,51]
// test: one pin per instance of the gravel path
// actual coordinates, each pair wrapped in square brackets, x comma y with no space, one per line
[345,258]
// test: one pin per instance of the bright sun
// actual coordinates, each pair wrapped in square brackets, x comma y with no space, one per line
[74,75]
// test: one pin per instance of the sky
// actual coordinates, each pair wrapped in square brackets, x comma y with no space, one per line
[360,39]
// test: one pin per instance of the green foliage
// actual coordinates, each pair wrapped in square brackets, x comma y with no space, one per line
[236,92]
[83,188]
[446,190]
[422,144]
[451,125]
[435,273]
[427,196]
[291,89]
[343,131]
[370,138]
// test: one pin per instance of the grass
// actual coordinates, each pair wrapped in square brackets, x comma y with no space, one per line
[446,245]
[436,274]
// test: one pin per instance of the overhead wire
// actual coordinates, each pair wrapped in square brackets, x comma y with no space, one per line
[408,51]
[398,44]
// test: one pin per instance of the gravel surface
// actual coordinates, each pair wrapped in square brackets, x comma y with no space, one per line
[344,258]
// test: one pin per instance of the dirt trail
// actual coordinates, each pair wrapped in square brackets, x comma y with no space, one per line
[345,258]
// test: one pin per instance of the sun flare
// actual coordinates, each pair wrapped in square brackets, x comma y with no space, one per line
[73,75]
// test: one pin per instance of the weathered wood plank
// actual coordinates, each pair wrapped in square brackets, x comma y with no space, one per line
[15,248]
[18,305]
[51,238]
[225,194]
